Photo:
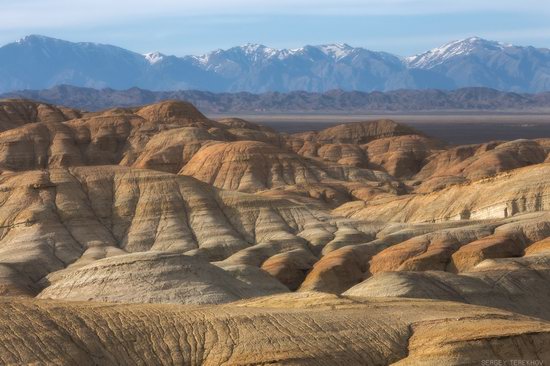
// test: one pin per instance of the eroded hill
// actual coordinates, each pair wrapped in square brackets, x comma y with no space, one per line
[159,204]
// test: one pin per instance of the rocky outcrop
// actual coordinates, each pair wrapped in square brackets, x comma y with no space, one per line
[467,163]
[424,247]
[18,112]
[495,246]
[151,277]
[401,156]
[513,284]
[254,166]
[163,137]
[251,166]
[380,145]
[500,196]
[358,132]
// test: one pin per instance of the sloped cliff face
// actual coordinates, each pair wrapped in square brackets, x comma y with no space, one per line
[159,204]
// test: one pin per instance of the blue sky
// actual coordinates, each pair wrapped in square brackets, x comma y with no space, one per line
[403,27]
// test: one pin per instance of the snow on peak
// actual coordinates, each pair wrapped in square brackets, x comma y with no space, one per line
[31,37]
[452,49]
[253,49]
[258,52]
[153,57]
[336,50]
[35,38]
[203,59]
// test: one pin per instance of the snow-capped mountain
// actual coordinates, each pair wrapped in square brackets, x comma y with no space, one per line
[154,57]
[455,49]
[479,62]
[258,68]
[37,62]
[256,53]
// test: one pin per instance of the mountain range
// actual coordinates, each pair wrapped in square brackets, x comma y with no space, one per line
[469,99]
[38,62]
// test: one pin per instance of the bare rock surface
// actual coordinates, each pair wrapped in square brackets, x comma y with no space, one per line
[359,132]
[162,136]
[103,212]
[472,162]
[499,196]
[151,277]
[422,247]
[514,284]
[381,145]
[305,329]
[251,166]
[70,218]
[17,112]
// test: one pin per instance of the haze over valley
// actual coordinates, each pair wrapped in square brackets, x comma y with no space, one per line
[462,116]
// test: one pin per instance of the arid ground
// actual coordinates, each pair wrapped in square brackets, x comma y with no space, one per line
[156,235]
[457,128]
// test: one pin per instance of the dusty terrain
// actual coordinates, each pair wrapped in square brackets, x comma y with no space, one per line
[155,235]
[453,127]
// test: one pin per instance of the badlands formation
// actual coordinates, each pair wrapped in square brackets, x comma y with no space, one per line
[154,235]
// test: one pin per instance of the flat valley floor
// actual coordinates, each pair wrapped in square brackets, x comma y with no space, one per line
[458,128]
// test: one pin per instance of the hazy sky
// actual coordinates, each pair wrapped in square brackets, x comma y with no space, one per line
[184,27]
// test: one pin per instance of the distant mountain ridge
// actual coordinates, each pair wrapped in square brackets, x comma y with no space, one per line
[39,62]
[298,101]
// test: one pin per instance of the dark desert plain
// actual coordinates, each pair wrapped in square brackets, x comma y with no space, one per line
[453,127]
